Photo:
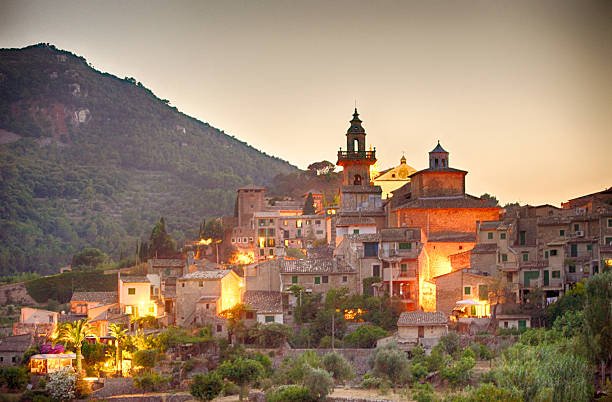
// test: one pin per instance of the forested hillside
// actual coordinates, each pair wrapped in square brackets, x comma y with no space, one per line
[89,159]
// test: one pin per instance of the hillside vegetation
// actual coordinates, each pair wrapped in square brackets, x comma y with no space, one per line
[91,160]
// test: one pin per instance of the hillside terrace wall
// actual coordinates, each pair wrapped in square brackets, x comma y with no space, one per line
[15,293]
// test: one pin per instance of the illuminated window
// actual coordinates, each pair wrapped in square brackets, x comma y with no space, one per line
[285,223]
[490,235]
[151,309]
[128,309]
[298,223]
[131,291]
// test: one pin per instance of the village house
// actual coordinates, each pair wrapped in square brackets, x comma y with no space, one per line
[37,322]
[515,321]
[213,291]
[421,328]
[137,296]
[318,275]
[267,306]
[466,290]
[13,347]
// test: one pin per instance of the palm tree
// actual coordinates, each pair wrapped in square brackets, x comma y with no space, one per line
[75,332]
[118,333]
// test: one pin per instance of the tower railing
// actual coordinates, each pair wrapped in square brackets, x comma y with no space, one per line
[354,155]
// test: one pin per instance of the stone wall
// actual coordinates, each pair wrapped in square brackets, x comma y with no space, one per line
[15,293]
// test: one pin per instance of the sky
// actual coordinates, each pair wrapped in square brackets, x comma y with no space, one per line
[519,92]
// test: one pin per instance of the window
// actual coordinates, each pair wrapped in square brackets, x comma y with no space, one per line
[294,279]
[525,256]
[261,252]
[376,270]
[556,274]
[505,324]
[467,290]
[553,253]
[504,257]
[561,232]
[589,247]
[522,238]
[530,275]
[151,309]
[490,235]
[572,269]
[345,279]
[325,279]
[576,227]
[319,232]
[131,291]
[573,250]
[404,267]
[370,249]
[299,232]
[219,328]
[129,310]
[610,222]
[250,315]
[262,222]
[355,231]
[271,232]
[298,223]
[51,319]
[608,240]
[318,222]
[546,255]
[245,240]
[207,306]
[405,246]
[201,284]
[261,232]
[271,221]
[239,240]
[271,251]
[271,242]
[167,271]
[183,284]
[483,292]
[502,236]
[317,280]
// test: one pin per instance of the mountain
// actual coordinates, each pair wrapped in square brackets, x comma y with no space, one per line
[88,159]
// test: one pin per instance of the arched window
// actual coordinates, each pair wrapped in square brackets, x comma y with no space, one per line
[357,180]
[443,162]
[356,145]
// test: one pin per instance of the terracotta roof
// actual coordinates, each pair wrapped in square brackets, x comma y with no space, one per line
[355,220]
[204,275]
[400,234]
[264,301]
[314,266]
[484,248]
[439,170]
[417,318]
[70,317]
[450,236]
[166,262]
[490,225]
[466,201]
[251,187]
[369,237]
[17,343]
[134,278]
[95,297]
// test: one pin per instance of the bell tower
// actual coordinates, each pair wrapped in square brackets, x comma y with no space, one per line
[356,161]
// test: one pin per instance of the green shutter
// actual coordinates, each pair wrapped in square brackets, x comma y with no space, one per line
[294,279]
[317,280]
[467,290]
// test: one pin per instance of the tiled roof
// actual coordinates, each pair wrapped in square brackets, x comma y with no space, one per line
[166,262]
[70,317]
[484,248]
[320,252]
[450,236]
[489,225]
[251,187]
[314,266]
[203,275]
[369,237]
[95,297]
[400,234]
[355,220]
[17,343]
[263,301]
[416,318]
[466,201]
[134,278]
[437,170]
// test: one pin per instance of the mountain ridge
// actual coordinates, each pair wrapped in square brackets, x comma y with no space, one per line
[90,159]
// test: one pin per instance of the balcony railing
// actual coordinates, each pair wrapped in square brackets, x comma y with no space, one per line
[356,155]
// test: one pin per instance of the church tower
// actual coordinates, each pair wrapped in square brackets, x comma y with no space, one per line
[356,161]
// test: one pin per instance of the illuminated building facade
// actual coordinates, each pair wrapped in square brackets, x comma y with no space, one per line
[394,178]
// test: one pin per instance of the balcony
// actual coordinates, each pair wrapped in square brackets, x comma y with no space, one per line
[357,155]
[394,253]
[397,275]
[533,264]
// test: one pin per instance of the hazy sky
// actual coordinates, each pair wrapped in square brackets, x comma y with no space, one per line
[519,92]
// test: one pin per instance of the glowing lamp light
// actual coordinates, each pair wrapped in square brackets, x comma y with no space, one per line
[608,262]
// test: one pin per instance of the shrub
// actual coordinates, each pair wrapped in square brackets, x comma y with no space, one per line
[370,382]
[151,381]
[460,372]
[390,362]
[424,393]
[62,384]
[489,392]
[319,382]
[145,358]
[365,336]
[271,335]
[418,371]
[325,343]
[206,387]
[481,351]
[338,367]
[290,393]
[242,372]
[450,343]
[13,378]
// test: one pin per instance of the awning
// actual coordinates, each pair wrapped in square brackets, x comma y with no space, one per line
[468,302]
